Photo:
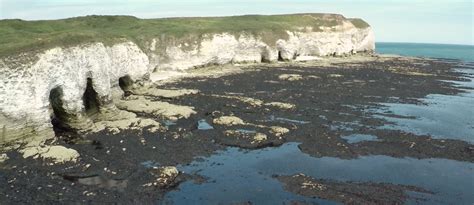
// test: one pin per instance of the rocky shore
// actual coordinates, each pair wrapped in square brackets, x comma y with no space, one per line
[160,126]
[79,82]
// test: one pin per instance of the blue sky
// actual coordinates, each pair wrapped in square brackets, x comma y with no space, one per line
[427,21]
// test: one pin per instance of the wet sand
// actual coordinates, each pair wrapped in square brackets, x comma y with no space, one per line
[335,108]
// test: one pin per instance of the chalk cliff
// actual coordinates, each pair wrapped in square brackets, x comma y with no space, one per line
[71,82]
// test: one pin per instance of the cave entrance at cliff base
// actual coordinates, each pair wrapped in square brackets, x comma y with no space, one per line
[125,83]
[90,99]
[280,57]
[59,116]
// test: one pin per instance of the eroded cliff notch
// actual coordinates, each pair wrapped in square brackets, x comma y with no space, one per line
[64,120]
[59,116]
[91,99]
[125,83]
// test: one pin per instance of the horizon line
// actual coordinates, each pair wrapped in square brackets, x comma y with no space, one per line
[436,43]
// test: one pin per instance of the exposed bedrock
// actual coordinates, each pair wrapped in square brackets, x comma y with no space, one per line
[225,48]
[64,86]
[68,87]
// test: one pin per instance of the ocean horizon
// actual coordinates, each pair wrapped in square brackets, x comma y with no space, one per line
[431,50]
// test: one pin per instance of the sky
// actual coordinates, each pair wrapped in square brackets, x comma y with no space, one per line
[421,21]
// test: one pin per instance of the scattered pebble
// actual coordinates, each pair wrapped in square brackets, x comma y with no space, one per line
[290,77]
[3,157]
[335,75]
[228,121]
[165,176]
[259,137]
[87,167]
[278,131]
[287,106]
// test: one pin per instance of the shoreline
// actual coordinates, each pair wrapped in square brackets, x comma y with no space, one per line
[247,106]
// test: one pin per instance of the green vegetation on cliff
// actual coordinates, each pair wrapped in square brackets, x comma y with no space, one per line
[19,36]
[359,23]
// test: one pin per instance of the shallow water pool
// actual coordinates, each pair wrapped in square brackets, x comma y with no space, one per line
[236,175]
[441,116]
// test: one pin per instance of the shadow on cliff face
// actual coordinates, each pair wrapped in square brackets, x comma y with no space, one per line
[90,99]
[66,122]
[60,117]
[125,83]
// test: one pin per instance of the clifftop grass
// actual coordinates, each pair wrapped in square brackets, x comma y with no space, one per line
[359,23]
[20,36]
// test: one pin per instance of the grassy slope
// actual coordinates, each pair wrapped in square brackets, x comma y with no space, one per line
[19,36]
[359,23]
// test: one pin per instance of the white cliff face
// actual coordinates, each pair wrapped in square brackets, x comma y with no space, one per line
[214,49]
[226,48]
[26,88]
[25,107]
[326,43]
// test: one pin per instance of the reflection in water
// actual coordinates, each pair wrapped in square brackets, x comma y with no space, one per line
[203,125]
[99,181]
[168,123]
[444,116]
[356,138]
[282,119]
[344,126]
[237,175]
[150,164]
[245,131]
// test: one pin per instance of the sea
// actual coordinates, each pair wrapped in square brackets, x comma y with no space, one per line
[444,51]
[236,175]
